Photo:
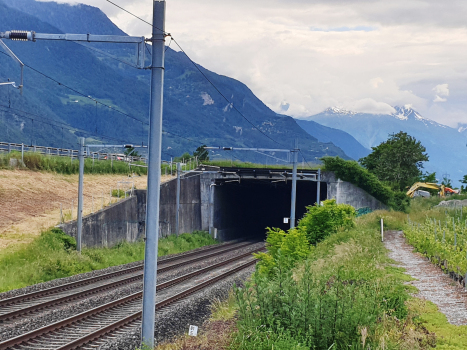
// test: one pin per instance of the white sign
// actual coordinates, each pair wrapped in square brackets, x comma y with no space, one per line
[193,331]
[286,220]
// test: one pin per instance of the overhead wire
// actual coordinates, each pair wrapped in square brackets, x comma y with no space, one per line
[202,73]
[101,103]
[106,54]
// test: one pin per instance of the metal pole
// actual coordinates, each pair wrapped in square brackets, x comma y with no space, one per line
[318,188]
[154,174]
[294,185]
[80,194]
[22,154]
[177,213]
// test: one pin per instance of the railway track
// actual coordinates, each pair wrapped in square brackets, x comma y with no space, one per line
[90,329]
[28,304]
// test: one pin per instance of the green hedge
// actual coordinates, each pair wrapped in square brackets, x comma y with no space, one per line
[351,171]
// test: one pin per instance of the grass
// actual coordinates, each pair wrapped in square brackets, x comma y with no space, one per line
[448,336]
[347,276]
[52,255]
[238,164]
[66,165]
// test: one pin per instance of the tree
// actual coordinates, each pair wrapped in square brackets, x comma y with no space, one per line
[464,180]
[202,153]
[398,160]
[130,151]
[183,158]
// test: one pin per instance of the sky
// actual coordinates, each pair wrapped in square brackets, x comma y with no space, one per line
[303,56]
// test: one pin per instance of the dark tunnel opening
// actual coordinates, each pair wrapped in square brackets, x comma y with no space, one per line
[245,209]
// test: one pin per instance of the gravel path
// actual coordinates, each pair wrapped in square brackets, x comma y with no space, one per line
[433,284]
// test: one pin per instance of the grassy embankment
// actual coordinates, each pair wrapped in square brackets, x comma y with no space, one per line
[66,165]
[343,293]
[53,255]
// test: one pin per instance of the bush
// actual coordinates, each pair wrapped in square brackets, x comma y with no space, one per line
[351,171]
[285,249]
[332,300]
[321,221]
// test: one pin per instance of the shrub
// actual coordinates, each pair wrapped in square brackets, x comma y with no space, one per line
[351,171]
[321,221]
[285,249]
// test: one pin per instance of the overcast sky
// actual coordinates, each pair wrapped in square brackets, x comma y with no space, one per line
[302,56]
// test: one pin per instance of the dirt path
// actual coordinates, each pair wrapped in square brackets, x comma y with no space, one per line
[30,201]
[432,283]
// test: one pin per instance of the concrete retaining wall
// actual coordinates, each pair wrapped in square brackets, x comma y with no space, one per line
[345,192]
[122,221]
[126,220]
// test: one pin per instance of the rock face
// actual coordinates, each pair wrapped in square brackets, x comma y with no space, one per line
[194,112]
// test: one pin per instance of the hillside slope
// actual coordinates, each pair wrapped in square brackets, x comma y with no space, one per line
[193,109]
[340,138]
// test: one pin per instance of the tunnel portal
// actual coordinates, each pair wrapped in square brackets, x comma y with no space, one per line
[244,208]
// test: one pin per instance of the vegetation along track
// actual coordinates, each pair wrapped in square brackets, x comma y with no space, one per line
[123,314]
[34,302]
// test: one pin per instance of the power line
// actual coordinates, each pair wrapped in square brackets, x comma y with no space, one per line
[106,54]
[204,75]
[86,96]
[225,98]
[61,124]
[81,94]
[121,8]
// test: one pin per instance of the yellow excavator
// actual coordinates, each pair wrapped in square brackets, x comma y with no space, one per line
[441,188]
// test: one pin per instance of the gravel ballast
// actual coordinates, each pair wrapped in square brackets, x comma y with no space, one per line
[48,316]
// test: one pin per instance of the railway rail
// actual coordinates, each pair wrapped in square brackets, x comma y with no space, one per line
[29,303]
[90,329]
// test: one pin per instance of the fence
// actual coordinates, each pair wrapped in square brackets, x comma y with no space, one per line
[6,147]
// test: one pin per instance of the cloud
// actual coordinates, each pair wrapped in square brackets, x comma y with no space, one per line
[439,99]
[441,89]
[362,54]
[368,105]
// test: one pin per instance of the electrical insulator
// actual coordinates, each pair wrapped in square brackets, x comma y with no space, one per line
[20,35]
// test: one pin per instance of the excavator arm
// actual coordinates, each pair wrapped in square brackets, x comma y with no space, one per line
[429,185]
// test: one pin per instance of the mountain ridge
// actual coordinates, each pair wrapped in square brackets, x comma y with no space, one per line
[445,145]
[194,113]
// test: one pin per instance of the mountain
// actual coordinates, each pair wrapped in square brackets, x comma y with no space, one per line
[446,146]
[194,112]
[338,137]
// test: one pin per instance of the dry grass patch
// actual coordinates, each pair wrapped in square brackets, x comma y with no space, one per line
[30,200]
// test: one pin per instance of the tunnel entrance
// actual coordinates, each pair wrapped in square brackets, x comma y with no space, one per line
[245,209]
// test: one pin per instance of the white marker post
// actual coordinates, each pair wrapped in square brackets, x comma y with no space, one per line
[382,232]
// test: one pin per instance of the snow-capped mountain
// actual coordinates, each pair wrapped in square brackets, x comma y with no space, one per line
[446,146]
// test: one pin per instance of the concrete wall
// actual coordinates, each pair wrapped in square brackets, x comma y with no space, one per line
[126,220]
[345,192]
[190,206]
[122,221]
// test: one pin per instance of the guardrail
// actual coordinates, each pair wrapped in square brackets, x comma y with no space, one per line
[6,147]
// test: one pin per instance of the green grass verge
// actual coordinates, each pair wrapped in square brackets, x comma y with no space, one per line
[52,255]
[66,165]
[238,164]
[347,294]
